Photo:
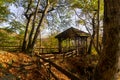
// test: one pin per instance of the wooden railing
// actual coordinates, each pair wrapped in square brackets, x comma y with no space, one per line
[46,50]
[55,50]
[15,45]
[10,45]
[10,48]
[68,74]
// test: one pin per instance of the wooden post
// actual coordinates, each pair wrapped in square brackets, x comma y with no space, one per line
[42,50]
[86,44]
[69,44]
[76,44]
[59,45]
[49,69]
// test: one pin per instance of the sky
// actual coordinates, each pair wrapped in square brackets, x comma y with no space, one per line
[16,11]
[20,11]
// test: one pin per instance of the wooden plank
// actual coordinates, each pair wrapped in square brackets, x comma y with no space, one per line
[55,77]
[68,74]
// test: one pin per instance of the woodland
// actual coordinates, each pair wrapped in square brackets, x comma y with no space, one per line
[59,39]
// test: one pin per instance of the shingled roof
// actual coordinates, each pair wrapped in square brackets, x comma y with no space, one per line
[71,33]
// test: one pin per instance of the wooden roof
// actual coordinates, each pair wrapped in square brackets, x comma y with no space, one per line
[72,33]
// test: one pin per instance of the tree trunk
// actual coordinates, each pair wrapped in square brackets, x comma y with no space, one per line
[30,47]
[93,35]
[24,45]
[33,25]
[107,65]
[25,40]
[98,26]
[40,22]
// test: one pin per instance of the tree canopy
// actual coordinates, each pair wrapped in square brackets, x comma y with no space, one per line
[4,11]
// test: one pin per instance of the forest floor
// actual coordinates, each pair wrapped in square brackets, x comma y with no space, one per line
[16,65]
[81,66]
[21,66]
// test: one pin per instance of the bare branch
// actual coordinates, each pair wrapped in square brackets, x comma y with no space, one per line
[88,32]
[28,8]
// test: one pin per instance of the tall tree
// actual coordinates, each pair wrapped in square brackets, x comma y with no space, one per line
[88,10]
[36,12]
[93,34]
[98,26]
[109,59]
[45,12]
[28,17]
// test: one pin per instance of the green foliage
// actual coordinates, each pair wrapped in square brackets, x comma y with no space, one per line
[16,27]
[6,34]
[88,5]
[8,38]
[4,9]
[53,2]
[85,5]
[50,42]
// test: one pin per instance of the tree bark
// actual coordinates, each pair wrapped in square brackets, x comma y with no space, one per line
[93,34]
[33,26]
[30,48]
[98,26]
[28,17]
[108,62]
[25,40]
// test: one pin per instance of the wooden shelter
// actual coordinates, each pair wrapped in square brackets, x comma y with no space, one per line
[74,38]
